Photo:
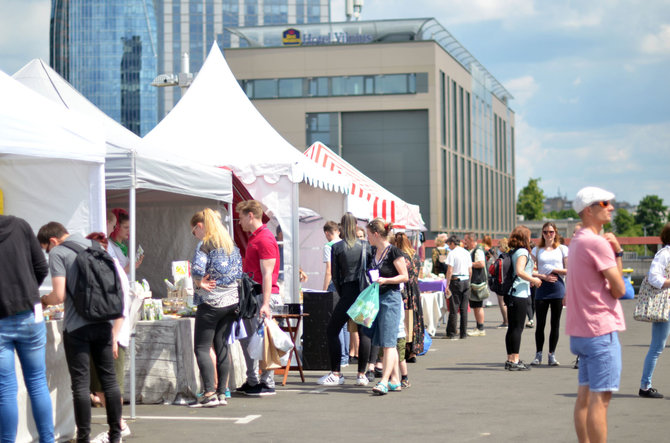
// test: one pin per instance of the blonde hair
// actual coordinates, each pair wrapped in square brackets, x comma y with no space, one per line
[216,235]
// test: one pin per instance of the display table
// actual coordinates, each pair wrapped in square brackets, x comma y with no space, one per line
[165,365]
[433,302]
[58,379]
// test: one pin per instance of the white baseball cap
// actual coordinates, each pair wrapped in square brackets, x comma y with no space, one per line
[589,195]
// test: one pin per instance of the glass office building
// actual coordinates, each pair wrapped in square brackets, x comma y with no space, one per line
[107,50]
[193,25]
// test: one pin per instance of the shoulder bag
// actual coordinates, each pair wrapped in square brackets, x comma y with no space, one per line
[653,305]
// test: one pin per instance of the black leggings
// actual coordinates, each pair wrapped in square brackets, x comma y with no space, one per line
[348,295]
[516,317]
[541,309]
[212,328]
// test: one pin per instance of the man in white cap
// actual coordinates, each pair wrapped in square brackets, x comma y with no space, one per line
[594,315]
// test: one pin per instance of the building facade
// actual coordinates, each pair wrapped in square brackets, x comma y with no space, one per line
[107,50]
[193,25]
[402,101]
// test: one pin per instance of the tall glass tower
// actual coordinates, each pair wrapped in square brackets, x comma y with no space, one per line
[193,25]
[107,50]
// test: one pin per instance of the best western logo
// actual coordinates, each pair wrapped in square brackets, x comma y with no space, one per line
[291,37]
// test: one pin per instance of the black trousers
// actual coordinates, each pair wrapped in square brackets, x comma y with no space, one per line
[83,345]
[212,328]
[460,294]
[516,317]
[348,294]
[541,310]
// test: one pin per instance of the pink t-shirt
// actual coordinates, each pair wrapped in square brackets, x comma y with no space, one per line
[591,309]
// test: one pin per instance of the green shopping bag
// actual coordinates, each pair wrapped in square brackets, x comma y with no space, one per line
[365,308]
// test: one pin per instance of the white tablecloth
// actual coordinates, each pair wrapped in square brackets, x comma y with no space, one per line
[434,307]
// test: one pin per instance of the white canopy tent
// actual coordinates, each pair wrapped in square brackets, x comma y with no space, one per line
[51,161]
[51,168]
[215,120]
[160,180]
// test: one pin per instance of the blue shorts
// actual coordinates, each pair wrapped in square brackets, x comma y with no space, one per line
[599,361]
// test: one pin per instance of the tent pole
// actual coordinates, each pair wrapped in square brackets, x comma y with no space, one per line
[132,209]
[295,245]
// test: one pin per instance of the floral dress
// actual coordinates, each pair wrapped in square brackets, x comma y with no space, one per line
[411,296]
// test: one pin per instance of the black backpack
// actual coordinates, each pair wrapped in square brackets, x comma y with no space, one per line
[501,273]
[97,294]
[251,297]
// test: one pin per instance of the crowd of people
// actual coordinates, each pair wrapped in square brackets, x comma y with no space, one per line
[589,288]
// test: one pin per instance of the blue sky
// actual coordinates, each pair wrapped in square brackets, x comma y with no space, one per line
[590,80]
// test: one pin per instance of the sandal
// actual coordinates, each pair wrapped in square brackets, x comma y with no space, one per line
[380,389]
[394,387]
[405,383]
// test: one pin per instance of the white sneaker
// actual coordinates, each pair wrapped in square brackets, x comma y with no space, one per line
[125,431]
[102,437]
[362,380]
[476,333]
[331,380]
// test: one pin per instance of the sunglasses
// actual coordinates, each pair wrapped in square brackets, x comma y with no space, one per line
[603,204]
[548,232]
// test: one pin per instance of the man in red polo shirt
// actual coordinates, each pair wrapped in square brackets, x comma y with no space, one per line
[261,262]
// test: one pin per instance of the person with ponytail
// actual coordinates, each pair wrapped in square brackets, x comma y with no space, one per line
[388,263]
[118,246]
[348,261]
[217,265]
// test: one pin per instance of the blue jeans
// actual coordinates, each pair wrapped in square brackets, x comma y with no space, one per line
[21,333]
[659,335]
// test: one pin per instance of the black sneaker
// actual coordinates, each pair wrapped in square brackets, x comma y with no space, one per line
[650,393]
[370,375]
[378,373]
[244,388]
[266,390]
[353,360]
[254,390]
[508,364]
[520,366]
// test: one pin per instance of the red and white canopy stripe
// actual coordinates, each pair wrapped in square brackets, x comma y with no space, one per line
[379,201]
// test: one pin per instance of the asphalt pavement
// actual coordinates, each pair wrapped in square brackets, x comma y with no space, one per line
[460,392]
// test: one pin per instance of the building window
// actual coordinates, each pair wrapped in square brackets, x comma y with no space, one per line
[323,127]
[265,88]
[454,113]
[318,87]
[290,87]
[454,189]
[445,187]
[468,142]
[443,109]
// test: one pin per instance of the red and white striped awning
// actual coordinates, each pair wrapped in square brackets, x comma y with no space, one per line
[378,202]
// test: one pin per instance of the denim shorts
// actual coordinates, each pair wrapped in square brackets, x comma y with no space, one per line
[599,361]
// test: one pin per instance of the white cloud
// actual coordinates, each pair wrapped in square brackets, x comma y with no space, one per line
[629,160]
[577,81]
[522,88]
[658,43]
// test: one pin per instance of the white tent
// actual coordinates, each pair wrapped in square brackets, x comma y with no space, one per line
[51,161]
[51,168]
[160,179]
[216,121]
[367,199]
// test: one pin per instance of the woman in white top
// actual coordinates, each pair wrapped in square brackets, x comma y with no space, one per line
[552,263]
[658,277]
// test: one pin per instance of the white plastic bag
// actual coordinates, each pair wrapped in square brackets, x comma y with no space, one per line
[281,339]
[255,346]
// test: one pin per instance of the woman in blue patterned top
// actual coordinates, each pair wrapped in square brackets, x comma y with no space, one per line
[217,265]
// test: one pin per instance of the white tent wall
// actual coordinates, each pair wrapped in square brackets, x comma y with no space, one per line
[70,193]
[312,241]
[163,230]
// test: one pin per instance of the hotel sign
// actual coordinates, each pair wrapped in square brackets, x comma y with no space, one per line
[292,37]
